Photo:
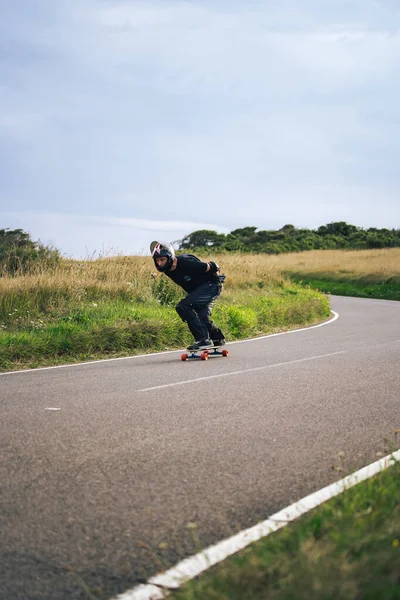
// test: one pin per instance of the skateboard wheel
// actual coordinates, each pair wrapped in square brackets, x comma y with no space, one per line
[204,356]
[225,352]
[184,356]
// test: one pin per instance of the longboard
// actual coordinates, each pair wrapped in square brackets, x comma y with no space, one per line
[204,353]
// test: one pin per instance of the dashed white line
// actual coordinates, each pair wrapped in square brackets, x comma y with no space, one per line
[281,364]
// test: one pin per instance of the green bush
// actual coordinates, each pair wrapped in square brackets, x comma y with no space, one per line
[240,321]
[166,292]
[19,254]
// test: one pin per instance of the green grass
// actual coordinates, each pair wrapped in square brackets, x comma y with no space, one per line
[346,549]
[363,287]
[76,330]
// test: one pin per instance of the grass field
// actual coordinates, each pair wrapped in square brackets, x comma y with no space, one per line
[363,273]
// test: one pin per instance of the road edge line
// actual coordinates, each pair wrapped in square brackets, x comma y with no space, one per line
[158,586]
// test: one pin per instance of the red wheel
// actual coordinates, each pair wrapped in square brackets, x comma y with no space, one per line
[204,356]
[225,352]
[184,356]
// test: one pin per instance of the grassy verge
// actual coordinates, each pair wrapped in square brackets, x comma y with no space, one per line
[348,548]
[362,273]
[92,310]
[388,289]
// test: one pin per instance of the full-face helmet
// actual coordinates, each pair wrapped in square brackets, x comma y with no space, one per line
[161,250]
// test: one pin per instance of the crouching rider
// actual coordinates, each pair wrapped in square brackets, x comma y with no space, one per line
[203,284]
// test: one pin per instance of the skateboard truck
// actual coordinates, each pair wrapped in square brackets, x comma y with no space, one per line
[204,354]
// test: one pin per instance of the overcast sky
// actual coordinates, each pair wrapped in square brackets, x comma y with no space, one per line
[125,121]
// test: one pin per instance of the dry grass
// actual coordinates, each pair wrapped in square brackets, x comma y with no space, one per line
[78,281]
[241,269]
[133,276]
[385,262]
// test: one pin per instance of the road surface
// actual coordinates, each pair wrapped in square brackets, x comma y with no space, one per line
[103,492]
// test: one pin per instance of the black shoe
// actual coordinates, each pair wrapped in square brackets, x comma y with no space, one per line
[201,345]
[218,343]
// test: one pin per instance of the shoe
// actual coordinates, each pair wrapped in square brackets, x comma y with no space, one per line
[218,343]
[201,345]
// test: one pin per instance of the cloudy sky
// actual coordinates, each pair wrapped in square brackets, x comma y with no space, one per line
[124,121]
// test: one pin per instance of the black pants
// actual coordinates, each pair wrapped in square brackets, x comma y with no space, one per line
[196,309]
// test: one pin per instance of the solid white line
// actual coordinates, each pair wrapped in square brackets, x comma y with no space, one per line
[262,337]
[192,567]
[281,364]
[143,592]
[95,362]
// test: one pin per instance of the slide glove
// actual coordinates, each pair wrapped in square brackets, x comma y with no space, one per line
[214,268]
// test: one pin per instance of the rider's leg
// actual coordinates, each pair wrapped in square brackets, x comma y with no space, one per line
[195,304]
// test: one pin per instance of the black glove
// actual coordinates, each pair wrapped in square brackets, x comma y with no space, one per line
[214,268]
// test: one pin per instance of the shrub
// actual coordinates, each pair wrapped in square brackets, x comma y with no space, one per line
[19,254]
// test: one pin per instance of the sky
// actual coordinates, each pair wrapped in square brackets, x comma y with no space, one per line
[124,121]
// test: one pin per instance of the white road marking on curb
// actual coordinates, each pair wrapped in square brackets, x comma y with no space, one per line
[143,592]
[103,360]
[262,337]
[290,362]
[158,586]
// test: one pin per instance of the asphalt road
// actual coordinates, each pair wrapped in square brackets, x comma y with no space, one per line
[98,495]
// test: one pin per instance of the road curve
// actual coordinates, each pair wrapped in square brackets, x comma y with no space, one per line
[103,466]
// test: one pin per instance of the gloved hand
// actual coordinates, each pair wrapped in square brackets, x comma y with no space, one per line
[214,268]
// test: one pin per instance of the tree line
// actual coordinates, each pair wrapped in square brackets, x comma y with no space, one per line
[19,253]
[338,235]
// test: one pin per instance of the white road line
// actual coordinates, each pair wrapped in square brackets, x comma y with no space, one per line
[51,408]
[103,360]
[281,364]
[263,337]
[158,586]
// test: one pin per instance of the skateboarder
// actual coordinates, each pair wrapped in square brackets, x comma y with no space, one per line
[202,283]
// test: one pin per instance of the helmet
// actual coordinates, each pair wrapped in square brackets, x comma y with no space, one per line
[160,250]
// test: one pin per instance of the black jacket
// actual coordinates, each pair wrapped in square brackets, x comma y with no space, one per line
[190,273]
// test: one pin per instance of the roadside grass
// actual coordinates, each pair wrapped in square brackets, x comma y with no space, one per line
[381,263]
[361,273]
[348,548]
[340,285]
[118,307]
[91,330]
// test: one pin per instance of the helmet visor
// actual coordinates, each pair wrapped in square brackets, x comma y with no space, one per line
[162,249]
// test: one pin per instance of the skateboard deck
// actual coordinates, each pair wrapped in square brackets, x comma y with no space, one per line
[204,353]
